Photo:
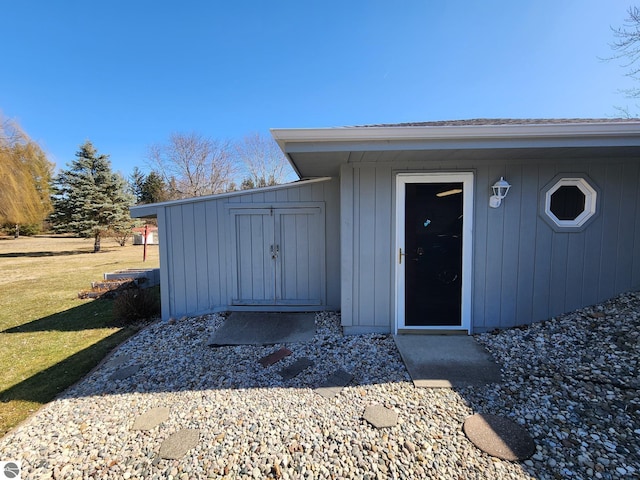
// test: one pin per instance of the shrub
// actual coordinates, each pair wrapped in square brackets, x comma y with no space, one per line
[26,230]
[136,304]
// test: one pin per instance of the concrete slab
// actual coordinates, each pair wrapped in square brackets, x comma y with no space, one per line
[178,444]
[380,416]
[260,328]
[119,360]
[499,437]
[274,357]
[447,361]
[333,385]
[295,368]
[125,372]
[151,419]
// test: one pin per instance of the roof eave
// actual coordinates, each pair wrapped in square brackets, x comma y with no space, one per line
[150,210]
[286,137]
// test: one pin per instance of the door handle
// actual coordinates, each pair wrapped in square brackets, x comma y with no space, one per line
[400,255]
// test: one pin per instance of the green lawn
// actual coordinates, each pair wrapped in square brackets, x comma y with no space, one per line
[49,338]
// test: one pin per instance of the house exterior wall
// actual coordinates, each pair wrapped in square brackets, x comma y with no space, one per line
[196,246]
[523,270]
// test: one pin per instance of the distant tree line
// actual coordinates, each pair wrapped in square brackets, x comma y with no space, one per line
[191,165]
[88,199]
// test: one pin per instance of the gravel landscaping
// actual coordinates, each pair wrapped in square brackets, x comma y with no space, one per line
[571,382]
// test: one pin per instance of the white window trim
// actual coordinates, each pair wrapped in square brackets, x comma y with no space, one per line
[590,197]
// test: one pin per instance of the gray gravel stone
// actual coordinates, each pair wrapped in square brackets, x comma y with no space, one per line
[571,382]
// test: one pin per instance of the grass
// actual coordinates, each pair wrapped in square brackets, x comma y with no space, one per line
[49,339]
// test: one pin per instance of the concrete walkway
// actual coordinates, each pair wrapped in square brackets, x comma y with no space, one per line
[447,361]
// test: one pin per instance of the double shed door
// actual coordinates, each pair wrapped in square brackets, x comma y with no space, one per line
[279,255]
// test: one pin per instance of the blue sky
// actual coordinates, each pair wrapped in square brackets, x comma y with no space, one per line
[127,74]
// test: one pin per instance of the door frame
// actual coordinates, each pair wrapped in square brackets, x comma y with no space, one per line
[467,180]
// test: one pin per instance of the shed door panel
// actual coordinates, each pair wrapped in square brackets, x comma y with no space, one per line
[299,274]
[255,267]
[279,256]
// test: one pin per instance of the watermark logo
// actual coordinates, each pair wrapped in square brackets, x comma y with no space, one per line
[10,470]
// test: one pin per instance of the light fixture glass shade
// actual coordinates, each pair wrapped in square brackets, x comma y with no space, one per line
[501,188]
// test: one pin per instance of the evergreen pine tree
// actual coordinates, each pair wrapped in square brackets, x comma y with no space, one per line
[136,182]
[154,189]
[90,200]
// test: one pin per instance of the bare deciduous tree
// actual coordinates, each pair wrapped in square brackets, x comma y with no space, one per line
[263,161]
[627,47]
[193,165]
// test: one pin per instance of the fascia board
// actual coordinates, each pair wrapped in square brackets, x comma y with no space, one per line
[142,211]
[292,138]
[151,209]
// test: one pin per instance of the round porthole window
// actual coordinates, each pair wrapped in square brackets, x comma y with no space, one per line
[570,202]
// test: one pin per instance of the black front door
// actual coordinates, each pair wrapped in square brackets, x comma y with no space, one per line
[433,254]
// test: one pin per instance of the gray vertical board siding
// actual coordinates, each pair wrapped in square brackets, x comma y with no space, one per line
[346,245]
[371,244]
[366,252]
[635,270]
[528,194]
[279,254]
[628,218]
[384,235]
[176,259]
[270,196]
[480,245]
[593,242]
[357,277]
[511,245]
[165,287]
[301,258]
[213,256]
[190,263]
[254,235]
[542,266]
[282,195]
[494,254]
[329,192]
[196,254]
[610,211]
[202,275]
[222,295]
[523,270]
[558,265]
[575,272]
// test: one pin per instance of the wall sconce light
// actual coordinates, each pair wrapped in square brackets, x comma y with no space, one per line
[500,190]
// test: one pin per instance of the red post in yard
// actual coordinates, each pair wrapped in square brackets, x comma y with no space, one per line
[144,250]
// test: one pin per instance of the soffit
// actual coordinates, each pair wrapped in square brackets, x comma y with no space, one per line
[320,152]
